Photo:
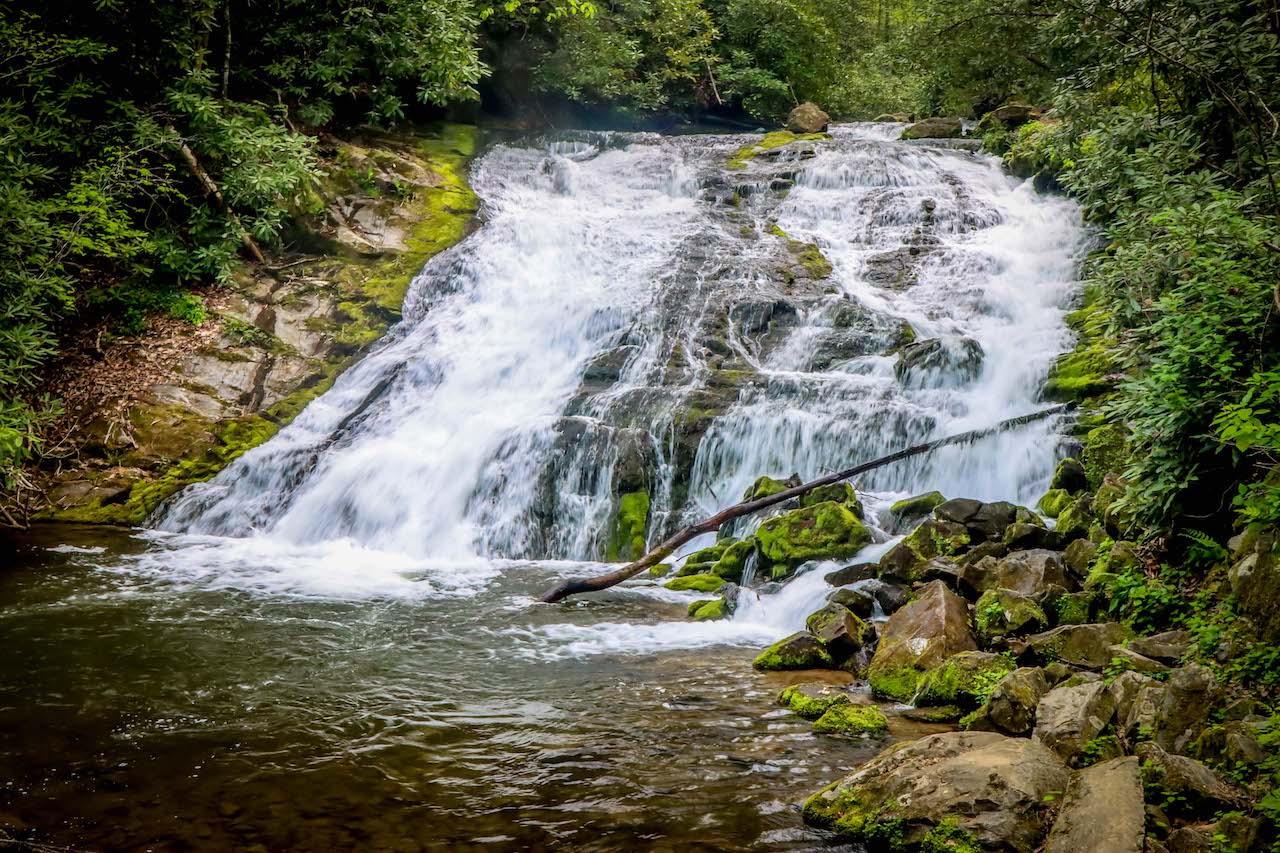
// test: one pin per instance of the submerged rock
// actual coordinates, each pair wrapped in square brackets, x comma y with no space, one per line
[801,650]
[852,720]
[812,699]
[920,636]
[956,790]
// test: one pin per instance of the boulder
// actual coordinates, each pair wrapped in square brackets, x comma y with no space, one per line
[1053,502]
[1085,646]
[1067,718]
[891,597]
[1031,573]
[1001,612]
[1013,702]
[1074,608]
[935,128]
[856,601]
[965,679]
[896,118]
[1125,690]
[801,650]
[1233,744]
[916,507]
[1168,647]
[1255,580]
[1126,658]
[812,699]
[1194,789]
[978,552]
[766,487]
[939,362]
[1139,717]
[840,631]
[1021,535]
[695,583]
[917,638]
[1074,521]
[1079,556]
[1190,696]
[957,510]
[825,531]
[991,520]
[847,719]
[851,574]
[1102,811]
[1007,117]
[841,493]
[807,118]
[955,790]
[1070,476]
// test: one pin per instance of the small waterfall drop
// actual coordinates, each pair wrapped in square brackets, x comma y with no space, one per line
[632,315]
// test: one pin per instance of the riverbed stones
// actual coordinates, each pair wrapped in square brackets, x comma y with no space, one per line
[807,118]
[851,574]
[1002,612]
[1102,811]
[1067,718]
[801,650]
[963,679]
[935,128]
[943,791]
[825,531]
[1085,646]
[812,699]
[920,636]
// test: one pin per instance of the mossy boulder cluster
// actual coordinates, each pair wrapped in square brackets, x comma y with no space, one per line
[1064,720]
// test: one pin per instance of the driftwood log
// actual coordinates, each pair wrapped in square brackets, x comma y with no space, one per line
[574,586]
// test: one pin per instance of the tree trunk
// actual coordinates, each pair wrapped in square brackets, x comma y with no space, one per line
[211,189]
[575,586]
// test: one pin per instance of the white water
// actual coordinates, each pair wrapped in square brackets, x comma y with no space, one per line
[495,439]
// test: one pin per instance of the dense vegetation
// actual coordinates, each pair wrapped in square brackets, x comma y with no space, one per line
[150,146]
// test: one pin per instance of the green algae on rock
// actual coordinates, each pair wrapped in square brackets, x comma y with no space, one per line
[695,583]
[825,531]
[850,719]
[812,700]
[965,679]
[801,650]
[740,158]
[1000,612]
[1053,502]
[918,637]
[630,526]
[916,507]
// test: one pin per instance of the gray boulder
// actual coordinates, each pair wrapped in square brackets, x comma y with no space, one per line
[1012,704]
[1067,718]
[935,128]
[1102,811]
[1196,790]
[986,786]
[807,118]
[1190,696]
[1168,647]
[918,638]
[1031,573]
[855,600]
[1084,646]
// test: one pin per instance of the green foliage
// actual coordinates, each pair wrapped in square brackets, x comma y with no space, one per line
[1145,604]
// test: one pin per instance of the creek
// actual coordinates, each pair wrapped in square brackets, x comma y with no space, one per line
[334,643]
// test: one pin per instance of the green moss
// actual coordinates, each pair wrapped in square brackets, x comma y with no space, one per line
[714,609]
[898,683]
[695,583]
[849,719]
[808,255]
[1105,452]
[630,524]
[733,562]
[811,707]
[1053,502]
[841,493]
[1000,612]
[660,571]
[825,531]
[1082,373]
[739,159]
[932,539]
[948,837]
[709,555]
[780,657]
[966,679]
[918,506]
[1075,518]
[1074,608]
[764,487]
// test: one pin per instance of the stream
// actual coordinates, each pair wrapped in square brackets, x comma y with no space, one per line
[334,644]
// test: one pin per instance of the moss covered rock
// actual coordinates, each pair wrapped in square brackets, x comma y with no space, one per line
[933,538]
[916,507]
[710,610]
[1011,707]
[1074,608]
[852,720]
[1053,502]
[1085,646]
[1105,452]
[1001,612]
[812,699]
[825,531]
[841,493]
[935,128]
[918,637]
[956,791]
[1032,573]
[966,679]
[695,583]
[801,650]
[843,633]
[733,561]
[630,524]
[744,155]
[1070,476]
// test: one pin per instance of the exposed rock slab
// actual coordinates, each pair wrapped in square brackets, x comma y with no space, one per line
[1102,811]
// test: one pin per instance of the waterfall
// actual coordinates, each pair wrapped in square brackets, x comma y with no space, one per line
[632,315]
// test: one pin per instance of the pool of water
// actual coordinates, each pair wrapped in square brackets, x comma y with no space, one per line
[178,710]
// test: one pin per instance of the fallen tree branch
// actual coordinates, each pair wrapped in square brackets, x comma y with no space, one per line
[574,586]
[211,189]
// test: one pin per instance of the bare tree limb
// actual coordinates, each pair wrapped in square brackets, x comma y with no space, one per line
[211,189]
[574,586]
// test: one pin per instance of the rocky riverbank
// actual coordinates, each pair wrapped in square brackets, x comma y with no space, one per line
[1085,719]
[151,414]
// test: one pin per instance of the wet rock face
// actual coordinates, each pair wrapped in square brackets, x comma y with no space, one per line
[1102,811]
[801,650]
[978,788]
[939,363]
[917,638]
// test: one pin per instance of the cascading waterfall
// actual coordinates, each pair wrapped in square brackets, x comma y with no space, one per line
[634,316]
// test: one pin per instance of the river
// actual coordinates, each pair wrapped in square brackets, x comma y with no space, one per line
[334,644]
